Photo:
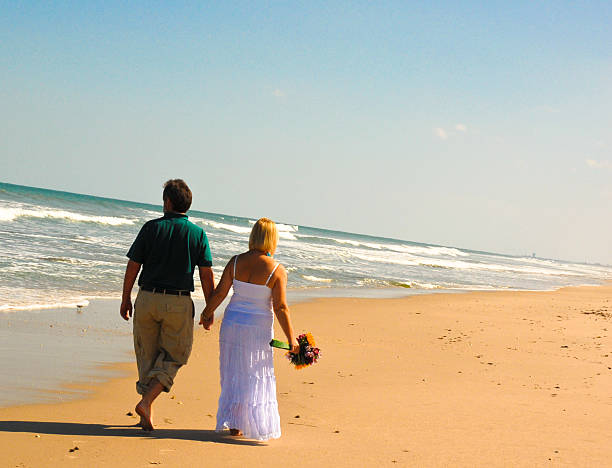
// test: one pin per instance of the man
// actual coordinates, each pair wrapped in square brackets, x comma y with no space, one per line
[168,249]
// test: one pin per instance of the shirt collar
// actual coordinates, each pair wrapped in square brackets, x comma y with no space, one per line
[174,215]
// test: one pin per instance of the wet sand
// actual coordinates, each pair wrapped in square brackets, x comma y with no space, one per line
[42,350]
[476,379]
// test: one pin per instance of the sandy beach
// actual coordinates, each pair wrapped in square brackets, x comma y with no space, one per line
[475,379]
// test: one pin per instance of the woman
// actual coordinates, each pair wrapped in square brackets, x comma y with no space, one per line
[247,405]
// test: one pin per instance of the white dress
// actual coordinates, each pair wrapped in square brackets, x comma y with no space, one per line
[248,386]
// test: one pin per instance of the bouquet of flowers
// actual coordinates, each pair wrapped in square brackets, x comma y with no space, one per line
[307,355]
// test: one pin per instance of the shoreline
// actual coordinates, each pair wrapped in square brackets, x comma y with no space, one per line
[300,295]
[478,379]
[46,351]
[92,369]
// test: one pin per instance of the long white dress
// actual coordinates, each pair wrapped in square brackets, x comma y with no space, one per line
[248,385]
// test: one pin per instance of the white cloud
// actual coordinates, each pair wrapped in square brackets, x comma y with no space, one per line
[599,164]
[279,93]
[600,144]
[441,133]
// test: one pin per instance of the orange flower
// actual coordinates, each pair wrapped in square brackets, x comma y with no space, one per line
[310,340]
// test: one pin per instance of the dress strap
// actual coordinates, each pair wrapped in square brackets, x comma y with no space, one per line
[272,273]
[235,260]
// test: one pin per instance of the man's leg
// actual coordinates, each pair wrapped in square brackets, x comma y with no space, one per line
[146,346]
[143,408]
[175,339]
[174,347]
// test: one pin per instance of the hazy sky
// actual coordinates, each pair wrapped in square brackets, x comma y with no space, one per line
[484,125]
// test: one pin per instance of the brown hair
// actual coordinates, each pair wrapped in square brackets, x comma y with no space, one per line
[177,191]
[264,236]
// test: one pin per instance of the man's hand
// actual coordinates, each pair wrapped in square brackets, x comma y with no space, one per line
[126,309]
[131,272]
[206,322]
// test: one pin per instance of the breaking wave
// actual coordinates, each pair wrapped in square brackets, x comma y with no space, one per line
[317,279]
[10,214]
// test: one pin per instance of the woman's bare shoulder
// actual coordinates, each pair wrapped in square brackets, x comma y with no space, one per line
[231,261]
[234,259]
[280,271]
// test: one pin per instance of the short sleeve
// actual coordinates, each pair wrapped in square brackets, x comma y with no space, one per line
[205,257]
[138,250]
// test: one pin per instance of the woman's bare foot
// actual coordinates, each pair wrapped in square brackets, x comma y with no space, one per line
[235,432]
[144,411]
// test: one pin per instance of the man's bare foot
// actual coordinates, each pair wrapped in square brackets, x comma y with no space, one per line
[144,412]
[235,432]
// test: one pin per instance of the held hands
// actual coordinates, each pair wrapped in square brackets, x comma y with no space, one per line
[206,322]
[126,309]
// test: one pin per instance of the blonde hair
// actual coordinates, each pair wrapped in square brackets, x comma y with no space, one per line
[264,236]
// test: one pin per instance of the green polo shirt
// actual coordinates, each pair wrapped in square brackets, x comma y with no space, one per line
[169,250]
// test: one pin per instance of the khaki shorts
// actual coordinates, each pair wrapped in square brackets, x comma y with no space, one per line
[163,336]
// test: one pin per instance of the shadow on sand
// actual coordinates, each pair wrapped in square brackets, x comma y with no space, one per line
[64,428]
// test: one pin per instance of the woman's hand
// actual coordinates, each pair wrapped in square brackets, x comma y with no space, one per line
[295,347]
[206,322]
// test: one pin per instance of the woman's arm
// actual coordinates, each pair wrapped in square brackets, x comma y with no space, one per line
[281,309]
[207,316]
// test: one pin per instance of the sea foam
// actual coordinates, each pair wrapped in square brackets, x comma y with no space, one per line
[317,279]
[55,305]
[223,226]
[284,231]
[10,214]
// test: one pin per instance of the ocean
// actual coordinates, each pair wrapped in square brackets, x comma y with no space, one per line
[62,260]
[61,250]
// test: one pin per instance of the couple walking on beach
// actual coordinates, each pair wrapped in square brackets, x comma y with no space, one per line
[168,250]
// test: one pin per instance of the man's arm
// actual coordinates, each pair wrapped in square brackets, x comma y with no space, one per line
[207,278]
[207,317]
[131,272]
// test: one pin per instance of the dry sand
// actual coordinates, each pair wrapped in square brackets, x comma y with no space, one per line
[476,379]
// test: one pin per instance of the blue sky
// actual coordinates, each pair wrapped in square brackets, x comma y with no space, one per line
[483,125]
